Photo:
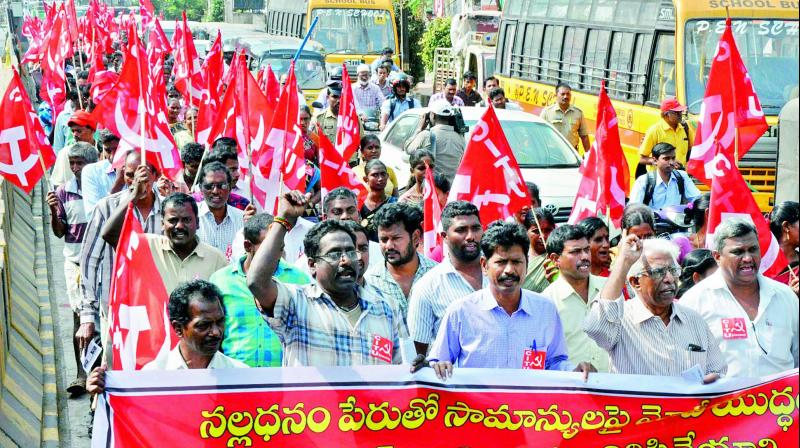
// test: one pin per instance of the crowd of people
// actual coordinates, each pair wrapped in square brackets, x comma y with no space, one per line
[326,278]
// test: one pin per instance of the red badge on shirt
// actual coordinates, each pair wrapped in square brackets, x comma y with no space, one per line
[381,348]
[533,359]
[734,328]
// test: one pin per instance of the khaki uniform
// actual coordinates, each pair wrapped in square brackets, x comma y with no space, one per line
[325,123]
[570,123]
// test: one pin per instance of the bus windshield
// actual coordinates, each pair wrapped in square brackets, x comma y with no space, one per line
[769,49]
[310,73]
[353,31]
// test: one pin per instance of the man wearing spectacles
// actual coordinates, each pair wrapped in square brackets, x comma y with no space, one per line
[753,318]
[651,334]
[219,221]
[334,322]
[670,129]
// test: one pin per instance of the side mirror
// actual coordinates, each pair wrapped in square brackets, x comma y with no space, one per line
[316,105]
[372,126]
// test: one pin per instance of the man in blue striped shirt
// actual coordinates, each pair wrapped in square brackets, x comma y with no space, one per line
[503,325]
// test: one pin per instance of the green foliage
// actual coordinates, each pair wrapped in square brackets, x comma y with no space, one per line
[217,11]
[414,30]
[172,9]
[437,35]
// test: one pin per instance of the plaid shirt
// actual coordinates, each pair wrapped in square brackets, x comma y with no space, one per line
[367,97]
[381,279]
[248,337]
[316,333]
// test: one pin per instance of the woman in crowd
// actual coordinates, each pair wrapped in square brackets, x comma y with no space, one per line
[699,215]
[696,266]
[784,225]
[376,179]
[638,219]
[541,271]
[370,149]
[419,161]
[597,233]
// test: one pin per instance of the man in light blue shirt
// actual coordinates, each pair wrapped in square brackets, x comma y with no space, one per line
[100,179]
[502,325]
[665,186]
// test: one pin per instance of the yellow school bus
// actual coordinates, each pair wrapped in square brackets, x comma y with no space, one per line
[350,31]
[646,50]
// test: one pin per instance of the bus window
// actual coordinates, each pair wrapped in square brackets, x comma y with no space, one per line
[574,41]
[505,45]
[579,10]
[531,52]
[641,55]
[537,8]
[353,31]
[551,52]
[619,65]
[604,11]
[769,49]
[627,12]
[662,71]
[596,51]
[558,8]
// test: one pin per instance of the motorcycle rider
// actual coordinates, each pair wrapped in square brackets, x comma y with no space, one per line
[398,102]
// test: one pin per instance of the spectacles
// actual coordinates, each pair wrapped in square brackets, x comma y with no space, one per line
[660,273]
[335,257]
[220,185]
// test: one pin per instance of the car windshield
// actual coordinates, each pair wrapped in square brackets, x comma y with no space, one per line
[536,145]
[310,72]
[353,31]
[769,49]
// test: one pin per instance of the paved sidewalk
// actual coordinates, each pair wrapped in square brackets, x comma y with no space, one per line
[74,415]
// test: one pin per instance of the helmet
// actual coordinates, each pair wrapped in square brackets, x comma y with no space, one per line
[403,80]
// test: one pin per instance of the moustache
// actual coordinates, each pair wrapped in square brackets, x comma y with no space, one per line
[511,277]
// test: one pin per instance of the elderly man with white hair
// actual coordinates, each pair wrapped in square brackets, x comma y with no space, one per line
[367,95]
[651,334]
[753,318]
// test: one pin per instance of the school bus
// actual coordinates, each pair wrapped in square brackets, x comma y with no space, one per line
[350,31]
[646,50]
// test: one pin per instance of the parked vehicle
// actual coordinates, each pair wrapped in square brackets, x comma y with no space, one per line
[277,52]
[544,155]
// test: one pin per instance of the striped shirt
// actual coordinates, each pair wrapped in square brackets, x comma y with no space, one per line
[70,212]
[219,236]
[379,276]
[639,343]
[367,97]
[97,179]
[97,256]
[440,97]
[317,333]
[477,332]
[431,296]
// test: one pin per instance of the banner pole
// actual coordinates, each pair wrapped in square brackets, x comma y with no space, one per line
[74,65]
[305,39]
[538,226]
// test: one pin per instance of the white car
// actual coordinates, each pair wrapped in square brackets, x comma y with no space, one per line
[543,154]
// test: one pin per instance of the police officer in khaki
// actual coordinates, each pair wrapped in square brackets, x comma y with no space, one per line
[324,121]
[567,118]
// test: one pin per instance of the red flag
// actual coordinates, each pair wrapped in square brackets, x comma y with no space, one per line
[336,172]
[585,204]
[348,132]
[58,47]
[22,139]
[731,198]
[489,175]
[209,104]
[147,11]
[272,88]
[139,327]
[278,160]
[432,210]
[730,105]
[612,167]
[37,33]
[161,39]
[138,99]
[72,19]
[186,70]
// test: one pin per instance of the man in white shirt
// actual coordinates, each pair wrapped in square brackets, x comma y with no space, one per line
[754,319]
[198,317]
[219,221]
[666,185]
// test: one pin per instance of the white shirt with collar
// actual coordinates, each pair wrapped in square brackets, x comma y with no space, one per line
[174,361]
[665,194]
[764,346]
[219,235]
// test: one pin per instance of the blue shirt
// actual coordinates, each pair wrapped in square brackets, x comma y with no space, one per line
[477,332]
[399,107]
[96,182]
[665,194]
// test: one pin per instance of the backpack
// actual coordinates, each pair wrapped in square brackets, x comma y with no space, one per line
[650,186]
[393,103]
[688,141]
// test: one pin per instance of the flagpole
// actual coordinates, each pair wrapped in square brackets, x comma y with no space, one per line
[80,100]
[242,85]
[733,98]
[142,114]
[538,226]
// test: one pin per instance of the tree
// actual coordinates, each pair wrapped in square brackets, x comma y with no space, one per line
[172,9]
